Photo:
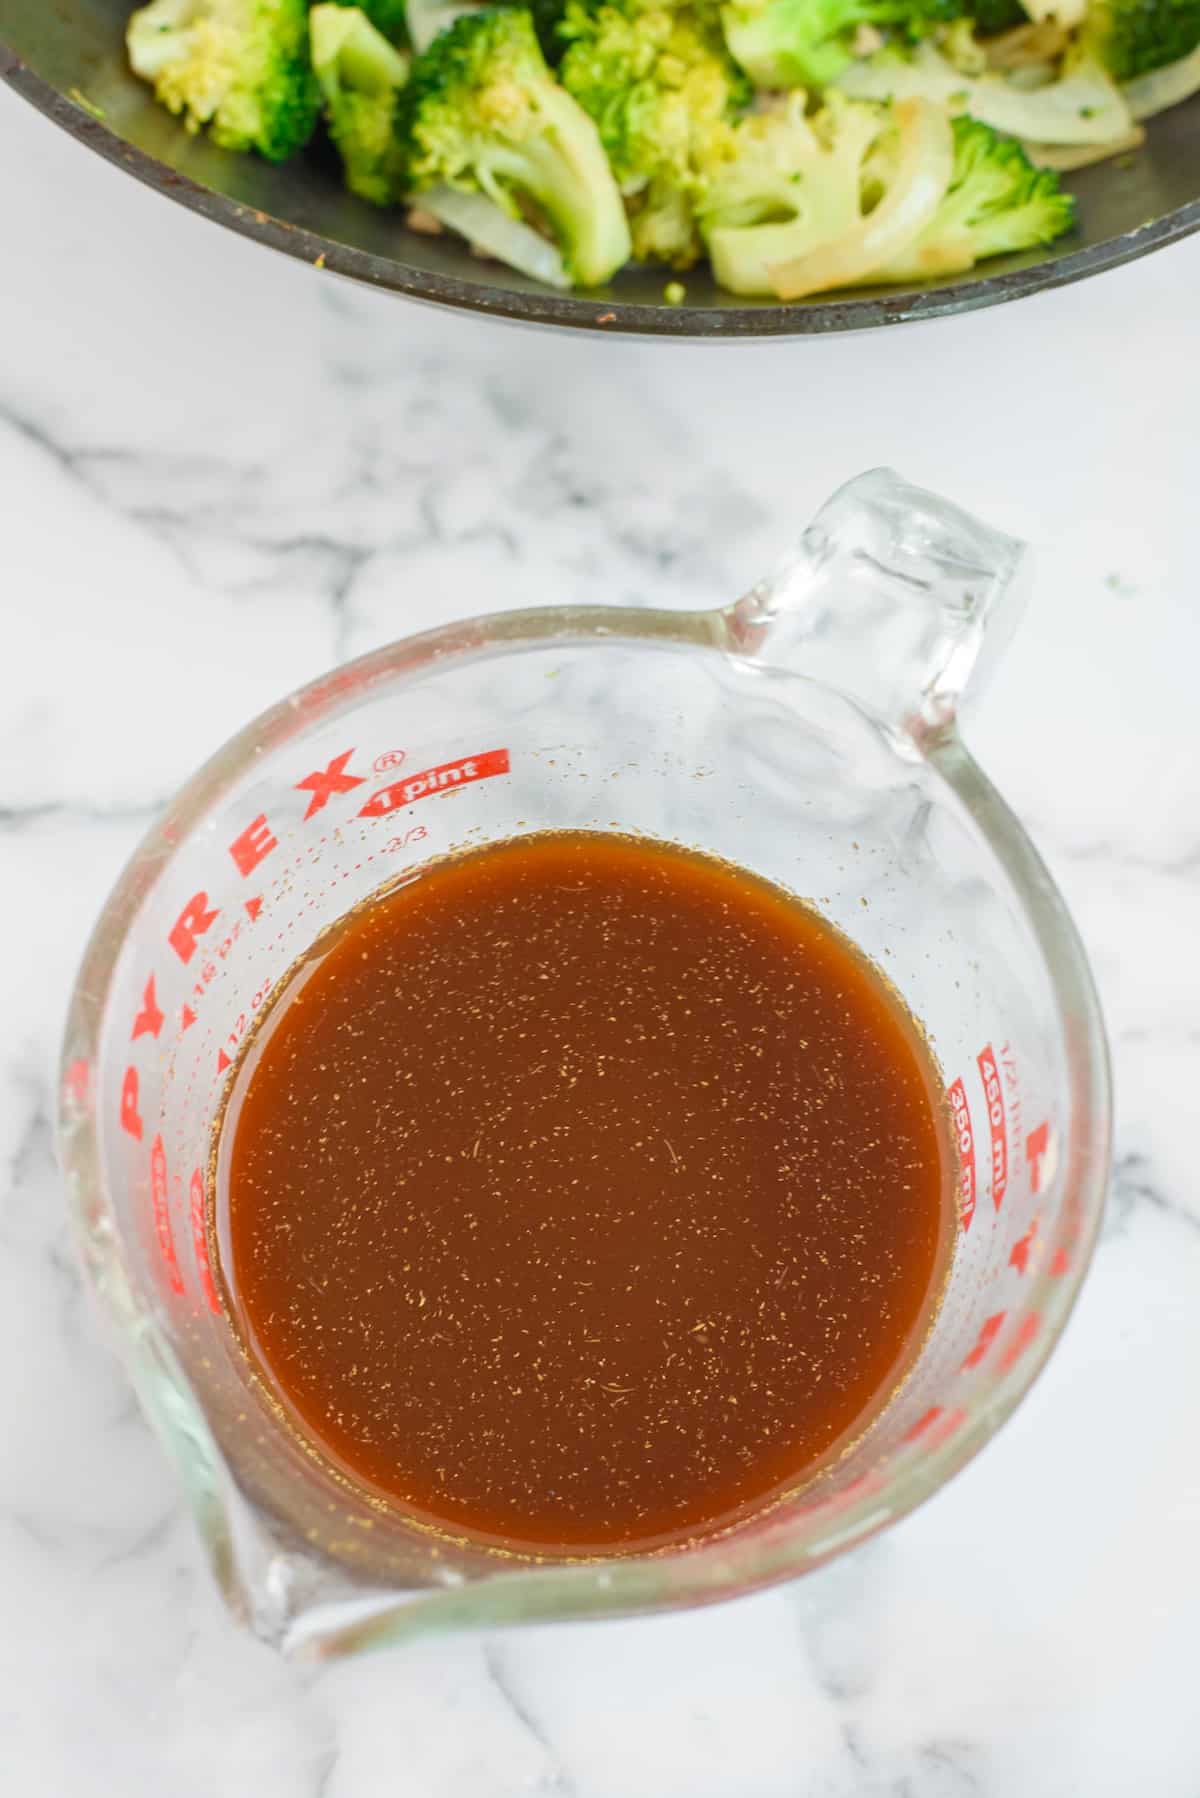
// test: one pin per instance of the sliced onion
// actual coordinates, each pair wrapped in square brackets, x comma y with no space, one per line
[427,19]
[1066,157]
[155,37]
[924,166]
[509,240]
[1084,106]
[1026,46]
[1163,87]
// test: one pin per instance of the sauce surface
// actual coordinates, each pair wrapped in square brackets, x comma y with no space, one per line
[582,1192]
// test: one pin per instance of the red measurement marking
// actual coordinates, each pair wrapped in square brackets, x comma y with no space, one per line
[1026,1330]
[76,1081]
[131,1117]
[964,1137]
[994,1094]
[1019,1258]
[253,907]
[417,834]
[865,1486]
[923,1423]
[391,758]
[162,1215]
[149,1020]
[988,1331]
[946,1426]
[253,846]
[223,1062]
[325,782]
[435,780]
[200,1242]
[208,974]
[187,1018]
[1036,1144]
[224,948]
[936,1426]
[1060,1263]
[192,922]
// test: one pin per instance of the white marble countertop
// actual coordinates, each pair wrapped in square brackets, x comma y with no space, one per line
[219,473]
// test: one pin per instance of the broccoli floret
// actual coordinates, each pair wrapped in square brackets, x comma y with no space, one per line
[240,66]
[997,203]
[388,16]
[658,81]
[361,75]
[1131,37]
[779,185]
[800,206]
[482,112]
[808,43]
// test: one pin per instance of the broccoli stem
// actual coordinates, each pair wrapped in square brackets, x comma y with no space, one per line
[559,169]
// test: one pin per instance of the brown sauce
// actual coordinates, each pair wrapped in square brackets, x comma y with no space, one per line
[583,1192]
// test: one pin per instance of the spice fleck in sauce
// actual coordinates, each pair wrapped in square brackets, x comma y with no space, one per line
[584,1191]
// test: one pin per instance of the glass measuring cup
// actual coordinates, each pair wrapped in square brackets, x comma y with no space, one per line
[806,731]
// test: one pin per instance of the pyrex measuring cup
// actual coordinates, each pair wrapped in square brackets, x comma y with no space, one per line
[806,732]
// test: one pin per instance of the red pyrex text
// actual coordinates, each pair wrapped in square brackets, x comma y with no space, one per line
[248,850]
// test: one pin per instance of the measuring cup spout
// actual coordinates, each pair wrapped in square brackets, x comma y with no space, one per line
[892,596]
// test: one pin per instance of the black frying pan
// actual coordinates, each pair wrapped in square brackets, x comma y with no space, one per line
[67,56]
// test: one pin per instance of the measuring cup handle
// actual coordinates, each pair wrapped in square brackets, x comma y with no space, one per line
[893,596]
